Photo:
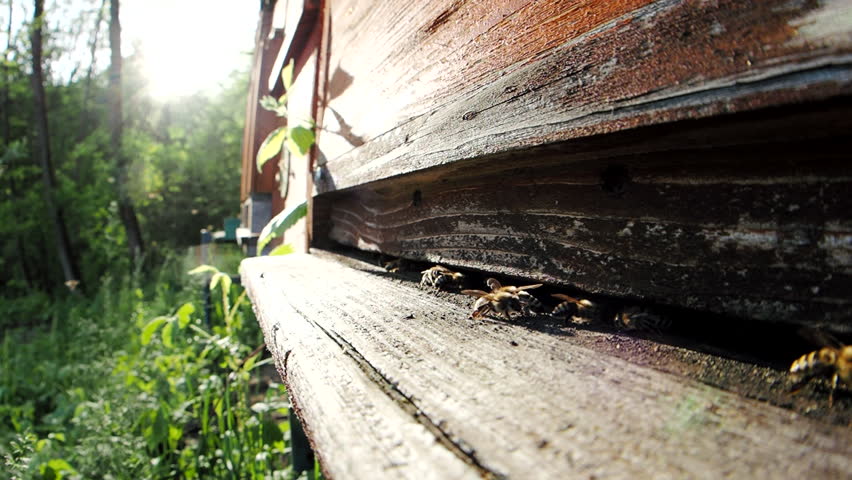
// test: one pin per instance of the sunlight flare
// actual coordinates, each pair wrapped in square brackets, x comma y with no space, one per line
[188,46]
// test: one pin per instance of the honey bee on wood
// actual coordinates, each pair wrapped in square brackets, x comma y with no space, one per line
[441,277]
[834,361]
[640,319]
[528,302]
[579,310]
[501,303]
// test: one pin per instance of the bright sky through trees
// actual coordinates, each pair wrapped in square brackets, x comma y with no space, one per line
[188,46]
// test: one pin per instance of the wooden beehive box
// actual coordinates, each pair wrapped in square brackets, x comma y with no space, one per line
[691,156]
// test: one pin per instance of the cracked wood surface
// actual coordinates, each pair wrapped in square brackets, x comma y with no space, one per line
[453,80]
[747,215]
[377,366]
[356,430]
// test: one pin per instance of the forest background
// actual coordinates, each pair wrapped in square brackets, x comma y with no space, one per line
[120,369]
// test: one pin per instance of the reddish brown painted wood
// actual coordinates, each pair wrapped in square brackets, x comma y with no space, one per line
[752,219]
[517,402]
[452,81]
[259,122]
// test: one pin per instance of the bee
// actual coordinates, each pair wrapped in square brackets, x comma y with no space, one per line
[528,302]
[637,318]
[580,310]
[441,277]
[834,360]
[393,266]
[502,303]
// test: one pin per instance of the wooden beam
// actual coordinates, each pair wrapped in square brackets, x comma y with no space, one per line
[476,83]
[744,215]
[301,19]
[330,391]
[376,366]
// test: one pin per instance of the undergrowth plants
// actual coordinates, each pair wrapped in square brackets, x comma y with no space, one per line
[82,395]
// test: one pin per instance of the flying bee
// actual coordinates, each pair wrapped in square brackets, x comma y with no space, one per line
[501,303]
[834,361]
[579,310]
[528,302]
[639,319]
[441,277]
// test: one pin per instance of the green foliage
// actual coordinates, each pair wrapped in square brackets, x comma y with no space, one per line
[184,171]
[285,249]
[280,223]
[271,146]
[186,163]
[84,396]
[287,75]
[129,379]
[298,138]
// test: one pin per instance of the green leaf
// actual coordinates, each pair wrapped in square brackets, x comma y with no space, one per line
[57,436]
[159,429]
[222,278]
[167,334]
[175,434]
[226,284]
[59,465]
[151,328]
[250,362]
[271,146]
[279,107]
[287,75]
[280,224]
[285,249]
[203,269]
[299,140]
[184,314]
[268,102]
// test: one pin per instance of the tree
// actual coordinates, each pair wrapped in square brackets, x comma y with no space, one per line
[125,205]
[54,211]
[7,144]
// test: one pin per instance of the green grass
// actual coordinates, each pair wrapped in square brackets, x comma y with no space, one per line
[131,383]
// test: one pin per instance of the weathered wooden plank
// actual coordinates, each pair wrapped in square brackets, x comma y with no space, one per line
[523,403]
[356,429]
[752,219]
[449,82]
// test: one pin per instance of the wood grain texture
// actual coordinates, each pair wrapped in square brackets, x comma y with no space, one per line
[747,215]
[355,428]
[520,402]
[415,88]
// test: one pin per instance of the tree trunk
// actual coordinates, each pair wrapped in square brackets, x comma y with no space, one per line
[63,244]
[125,205]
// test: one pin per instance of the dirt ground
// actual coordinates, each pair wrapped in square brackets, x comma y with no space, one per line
[747,357]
